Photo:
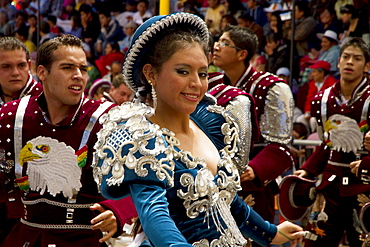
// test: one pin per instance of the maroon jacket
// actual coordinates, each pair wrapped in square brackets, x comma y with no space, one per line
[32,88]
[332,163]
[271,157]
[24,121]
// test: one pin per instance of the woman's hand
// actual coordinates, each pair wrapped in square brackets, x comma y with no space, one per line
[288,231]
[105,221]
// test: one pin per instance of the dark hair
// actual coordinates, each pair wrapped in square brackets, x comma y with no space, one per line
[146,2]
[230,19]
[21,13]
[246,17]
[52,18]
[360,43]
[235,6]
[32,16]
[76,21]
[303,6]
[45,54]
[114,45]
[243,38]
[349,9]
[44,27]
[279,24]
[86,9]
[105,12]
[11,44]
[22,31]
[165,45]
[273,37]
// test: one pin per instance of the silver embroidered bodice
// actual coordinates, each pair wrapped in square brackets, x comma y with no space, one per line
[131,149]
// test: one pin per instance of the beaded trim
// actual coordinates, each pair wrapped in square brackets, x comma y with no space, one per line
[150,32]
[57,226]
[54,203]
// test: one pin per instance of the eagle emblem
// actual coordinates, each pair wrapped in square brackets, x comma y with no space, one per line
[343,134]
[51,166]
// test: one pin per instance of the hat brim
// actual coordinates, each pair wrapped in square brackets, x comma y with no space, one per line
[365,217]
[286,208]
[149,31]
[321,35]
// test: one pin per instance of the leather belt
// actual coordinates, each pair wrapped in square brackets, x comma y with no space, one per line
[44,213]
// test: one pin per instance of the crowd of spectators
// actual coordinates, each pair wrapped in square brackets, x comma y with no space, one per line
[107,26]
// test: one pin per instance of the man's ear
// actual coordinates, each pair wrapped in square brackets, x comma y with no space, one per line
[42,72]
[242,55]
[148,72]
[367,67]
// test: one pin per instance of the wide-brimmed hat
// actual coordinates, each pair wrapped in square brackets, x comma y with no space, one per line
[150,31]
[296,196]
[365,217]
[329,34]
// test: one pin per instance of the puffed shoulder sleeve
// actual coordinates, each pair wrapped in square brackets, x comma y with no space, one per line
[129,150]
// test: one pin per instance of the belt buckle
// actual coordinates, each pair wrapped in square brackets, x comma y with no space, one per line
[69,216]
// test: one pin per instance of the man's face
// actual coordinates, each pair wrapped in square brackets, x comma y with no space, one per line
[65,82]
[317,75]
[116,69]
[352,65]
[225,57]
[120,94]
[104,21]
[14,71]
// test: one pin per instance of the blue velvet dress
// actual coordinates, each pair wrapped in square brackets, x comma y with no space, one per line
[178,200]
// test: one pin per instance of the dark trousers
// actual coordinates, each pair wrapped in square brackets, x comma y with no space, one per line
[340,219]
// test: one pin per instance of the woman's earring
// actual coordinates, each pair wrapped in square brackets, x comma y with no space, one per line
[154,95]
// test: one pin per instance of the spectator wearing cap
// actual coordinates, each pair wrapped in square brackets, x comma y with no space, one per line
[353,24]
[130,28]
[284,73]
[330,51]
[327,20]
[97,89]
[321,80]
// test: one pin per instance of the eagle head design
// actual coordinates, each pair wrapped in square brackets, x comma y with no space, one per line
[51,166]
[343,133]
